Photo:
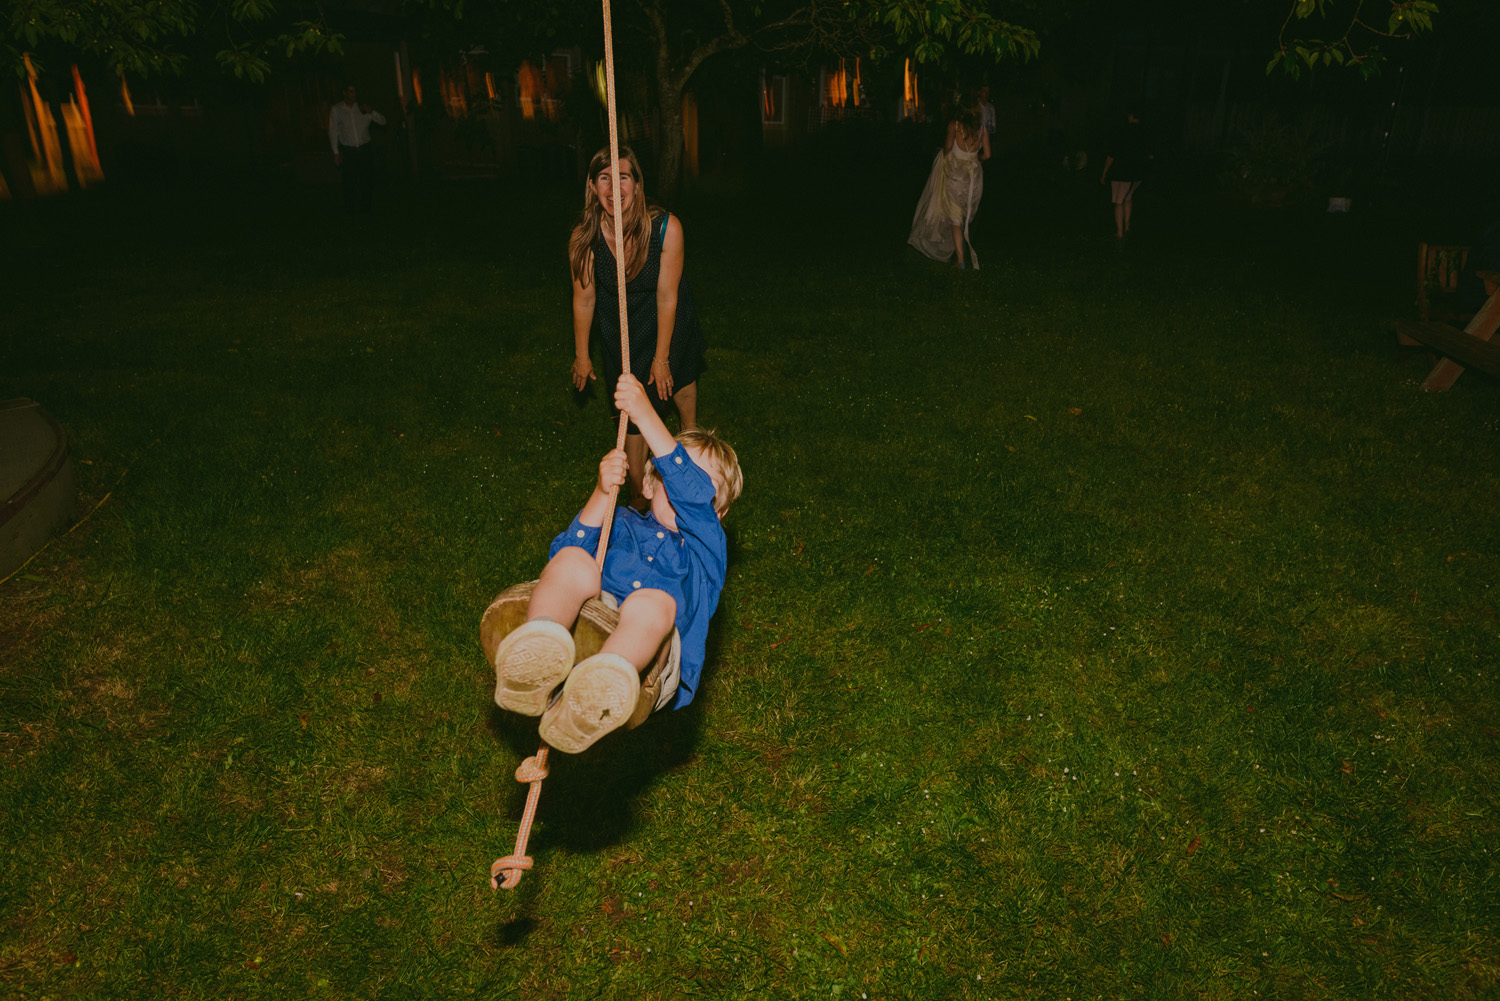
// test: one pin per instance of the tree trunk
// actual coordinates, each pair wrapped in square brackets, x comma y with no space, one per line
[672,78]
[669,156]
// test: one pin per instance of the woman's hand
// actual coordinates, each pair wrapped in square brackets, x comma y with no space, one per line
[612,470]
[668,283]
[583,371]
[661,377]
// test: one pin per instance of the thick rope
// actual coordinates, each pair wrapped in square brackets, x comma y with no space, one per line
[531,772]
[534,768]
[614,166]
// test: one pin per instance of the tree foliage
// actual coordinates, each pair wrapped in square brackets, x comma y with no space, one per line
[931,29]
[1357,33]
[146,38]
[247,37]
[682,34]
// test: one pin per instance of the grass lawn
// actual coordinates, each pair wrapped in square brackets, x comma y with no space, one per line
[1099,624]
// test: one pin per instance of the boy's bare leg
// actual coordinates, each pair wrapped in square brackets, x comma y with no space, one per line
[570,579]
[635,454]
[646,619]
[535,657]
[686,399]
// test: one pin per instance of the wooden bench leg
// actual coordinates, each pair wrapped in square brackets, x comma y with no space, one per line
[1482,327]
[1443,375]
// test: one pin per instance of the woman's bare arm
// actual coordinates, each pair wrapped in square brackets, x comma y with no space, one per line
[583,322]
[666,306]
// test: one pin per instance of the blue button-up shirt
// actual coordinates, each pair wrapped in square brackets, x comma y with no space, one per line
[689,564]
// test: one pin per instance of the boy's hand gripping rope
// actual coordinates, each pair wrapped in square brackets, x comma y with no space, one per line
[534,768]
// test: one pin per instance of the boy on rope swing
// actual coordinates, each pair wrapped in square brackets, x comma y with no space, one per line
[665,567]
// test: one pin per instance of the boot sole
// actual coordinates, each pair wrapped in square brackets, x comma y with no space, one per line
[529,664]
[599,697]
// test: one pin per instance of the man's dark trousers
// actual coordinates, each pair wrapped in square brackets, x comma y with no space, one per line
[358,168]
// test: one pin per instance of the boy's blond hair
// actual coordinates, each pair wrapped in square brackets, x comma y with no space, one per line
[722,453]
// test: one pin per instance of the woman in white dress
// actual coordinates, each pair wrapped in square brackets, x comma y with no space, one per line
[940,228]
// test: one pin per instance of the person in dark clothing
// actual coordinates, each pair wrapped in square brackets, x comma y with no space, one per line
[666,341]
[1129,157]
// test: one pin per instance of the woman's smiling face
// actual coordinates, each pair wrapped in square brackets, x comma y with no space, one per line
[604,188]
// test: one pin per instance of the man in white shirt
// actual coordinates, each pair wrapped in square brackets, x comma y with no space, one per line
[349,135]
[987,114]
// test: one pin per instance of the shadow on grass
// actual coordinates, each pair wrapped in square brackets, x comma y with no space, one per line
[515,932]
[588,801]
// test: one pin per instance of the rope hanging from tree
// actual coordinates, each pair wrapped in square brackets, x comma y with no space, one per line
[534,769]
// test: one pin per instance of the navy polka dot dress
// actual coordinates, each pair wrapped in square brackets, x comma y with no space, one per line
[686,353]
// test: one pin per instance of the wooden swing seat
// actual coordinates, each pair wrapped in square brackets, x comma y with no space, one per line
[596,621]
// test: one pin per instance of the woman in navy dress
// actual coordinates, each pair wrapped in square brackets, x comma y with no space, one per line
[666,343]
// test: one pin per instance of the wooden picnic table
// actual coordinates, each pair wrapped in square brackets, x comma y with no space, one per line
[1475,346]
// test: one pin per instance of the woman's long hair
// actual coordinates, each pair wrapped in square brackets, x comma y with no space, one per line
[636,220]
[967,116]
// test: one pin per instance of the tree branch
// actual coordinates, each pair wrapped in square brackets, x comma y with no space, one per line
[652,10]
[730,38]
[715,45]
[728,16]
[1416,15]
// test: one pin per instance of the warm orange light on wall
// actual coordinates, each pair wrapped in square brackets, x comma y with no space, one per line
[455,98]
[768,95]
[557,80]
[125,97]
[47,173]
[836,87]
[80,123]
[528,89]
[416,86]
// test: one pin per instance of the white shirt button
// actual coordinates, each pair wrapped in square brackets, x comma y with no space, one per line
[661,535]
[678,460]
[636,584]
[650,559]
[580,533]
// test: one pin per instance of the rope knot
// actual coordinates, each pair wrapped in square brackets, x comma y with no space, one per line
[512,866]
[531,772]
[533,769]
